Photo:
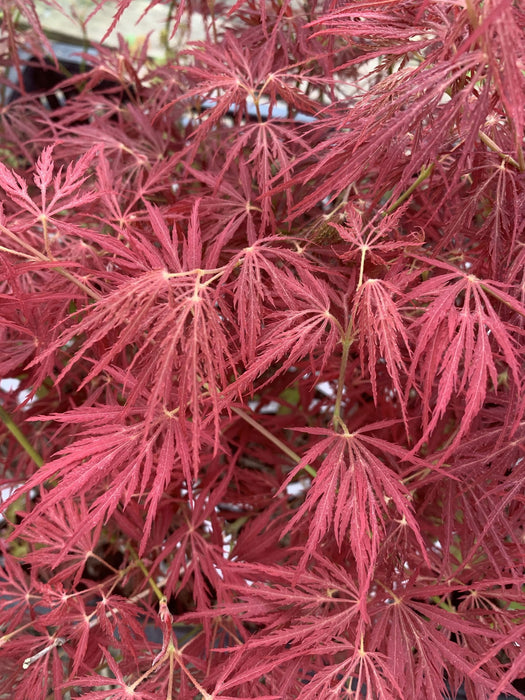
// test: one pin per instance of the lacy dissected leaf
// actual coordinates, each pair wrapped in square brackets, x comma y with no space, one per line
[122,6]
[15,586]
[351,495]
[57,192]
[288,606]
[228,211]
[420,639]
[56,525]
[374,241]
[506,35]
[44,668]
[15,39]
[232,78]
[178,345]
[260,278]
[463,345]
[486,483]
[382,333]
[197,549]
[120,689]
[28,314]
[273,146]
[115,460]
[376,127]
[304,329]
[361,674]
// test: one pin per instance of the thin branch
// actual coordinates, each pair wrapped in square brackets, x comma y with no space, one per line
[346,341]
[138,561]
[278,443]
[426,171]
[20,437]
[494,147]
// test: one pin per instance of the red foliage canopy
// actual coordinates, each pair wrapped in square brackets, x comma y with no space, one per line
[261,334]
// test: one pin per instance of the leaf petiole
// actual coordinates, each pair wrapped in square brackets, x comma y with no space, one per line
[346,341]
[20,437]
[426,171]
[278,443]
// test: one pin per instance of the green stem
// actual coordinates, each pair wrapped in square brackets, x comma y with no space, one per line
[425,172]
[278,443]
[494,147]
[521,158]
[138,561]
[20,437]
[45,230]
[362,266]
[346,341]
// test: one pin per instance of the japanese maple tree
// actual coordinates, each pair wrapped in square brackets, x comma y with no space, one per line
[262,317]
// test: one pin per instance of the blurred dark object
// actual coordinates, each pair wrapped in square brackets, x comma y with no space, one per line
[56,83]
